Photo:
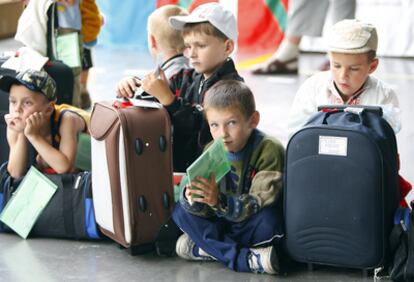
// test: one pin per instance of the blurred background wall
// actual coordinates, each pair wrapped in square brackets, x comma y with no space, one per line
[261,24]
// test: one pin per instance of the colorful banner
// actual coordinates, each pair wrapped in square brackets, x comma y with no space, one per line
[261,23]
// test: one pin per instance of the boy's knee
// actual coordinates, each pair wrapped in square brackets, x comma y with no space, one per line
[179,213]
[270,221]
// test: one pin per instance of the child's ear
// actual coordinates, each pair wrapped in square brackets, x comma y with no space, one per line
[50,108]
[254,119]
[373,65]
[153,42]
[229,46]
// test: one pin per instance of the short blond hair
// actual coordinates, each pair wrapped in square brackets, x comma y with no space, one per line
[159,27]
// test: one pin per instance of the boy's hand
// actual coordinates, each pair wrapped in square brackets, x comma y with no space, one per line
[207,189]
[127,87]
[158,87]
[187,194]
[34,124]
[14,122]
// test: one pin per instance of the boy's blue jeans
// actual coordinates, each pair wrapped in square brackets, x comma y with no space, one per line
[227,241]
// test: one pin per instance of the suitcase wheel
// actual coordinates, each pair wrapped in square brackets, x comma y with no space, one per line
[166,200]
[138,147]
[142,203]
[163,143]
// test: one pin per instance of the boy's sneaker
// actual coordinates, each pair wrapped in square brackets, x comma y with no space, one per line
[263,260]
[186,249]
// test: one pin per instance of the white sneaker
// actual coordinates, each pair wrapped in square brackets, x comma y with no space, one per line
[185,249]
[263,260]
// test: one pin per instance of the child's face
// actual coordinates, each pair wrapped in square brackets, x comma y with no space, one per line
[350,71]
[206,53]
[23,102]
[231,125]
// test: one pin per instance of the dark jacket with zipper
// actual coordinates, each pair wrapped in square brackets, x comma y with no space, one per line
[191,132]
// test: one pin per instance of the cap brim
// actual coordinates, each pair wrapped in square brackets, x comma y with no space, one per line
[7,81]
[350,50]
[178,22]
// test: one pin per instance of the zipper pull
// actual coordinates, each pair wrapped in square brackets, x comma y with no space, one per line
[77,182]
[403,225]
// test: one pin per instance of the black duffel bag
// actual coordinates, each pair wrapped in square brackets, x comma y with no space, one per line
[69,213]
[402,246]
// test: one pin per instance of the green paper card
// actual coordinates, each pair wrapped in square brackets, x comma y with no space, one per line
[29,200]
[67,49]
[213,160]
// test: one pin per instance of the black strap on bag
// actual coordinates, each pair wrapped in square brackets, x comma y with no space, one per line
[52,25]
[68,216]
[402,246]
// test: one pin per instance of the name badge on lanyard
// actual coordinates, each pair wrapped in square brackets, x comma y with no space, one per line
[67,49]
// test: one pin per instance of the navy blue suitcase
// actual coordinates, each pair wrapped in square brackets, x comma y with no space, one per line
[341,189]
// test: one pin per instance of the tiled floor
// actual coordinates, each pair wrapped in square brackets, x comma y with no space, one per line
[62,260]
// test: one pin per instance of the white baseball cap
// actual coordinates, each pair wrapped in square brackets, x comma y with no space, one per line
[214,13]
[352,37]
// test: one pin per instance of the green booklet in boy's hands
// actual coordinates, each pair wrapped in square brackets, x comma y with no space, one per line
[213,161]
[29,200]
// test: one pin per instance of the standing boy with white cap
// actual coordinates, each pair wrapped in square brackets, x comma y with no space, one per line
[352,47]
[209,33]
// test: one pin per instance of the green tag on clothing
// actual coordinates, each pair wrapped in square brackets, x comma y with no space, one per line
[213,161]
[29,200]
[83,152]
[67,49]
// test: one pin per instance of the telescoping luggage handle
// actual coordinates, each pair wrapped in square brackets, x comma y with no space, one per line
[357,109]
[123,103]
[328,110]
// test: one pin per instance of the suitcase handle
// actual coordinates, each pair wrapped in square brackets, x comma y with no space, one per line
[122,104]
[326,115]
[350,108]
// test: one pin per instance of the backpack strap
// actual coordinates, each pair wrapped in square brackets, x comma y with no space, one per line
[52,25]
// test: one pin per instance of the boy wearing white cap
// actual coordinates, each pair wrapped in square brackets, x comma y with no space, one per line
[209,33]
[352,46]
